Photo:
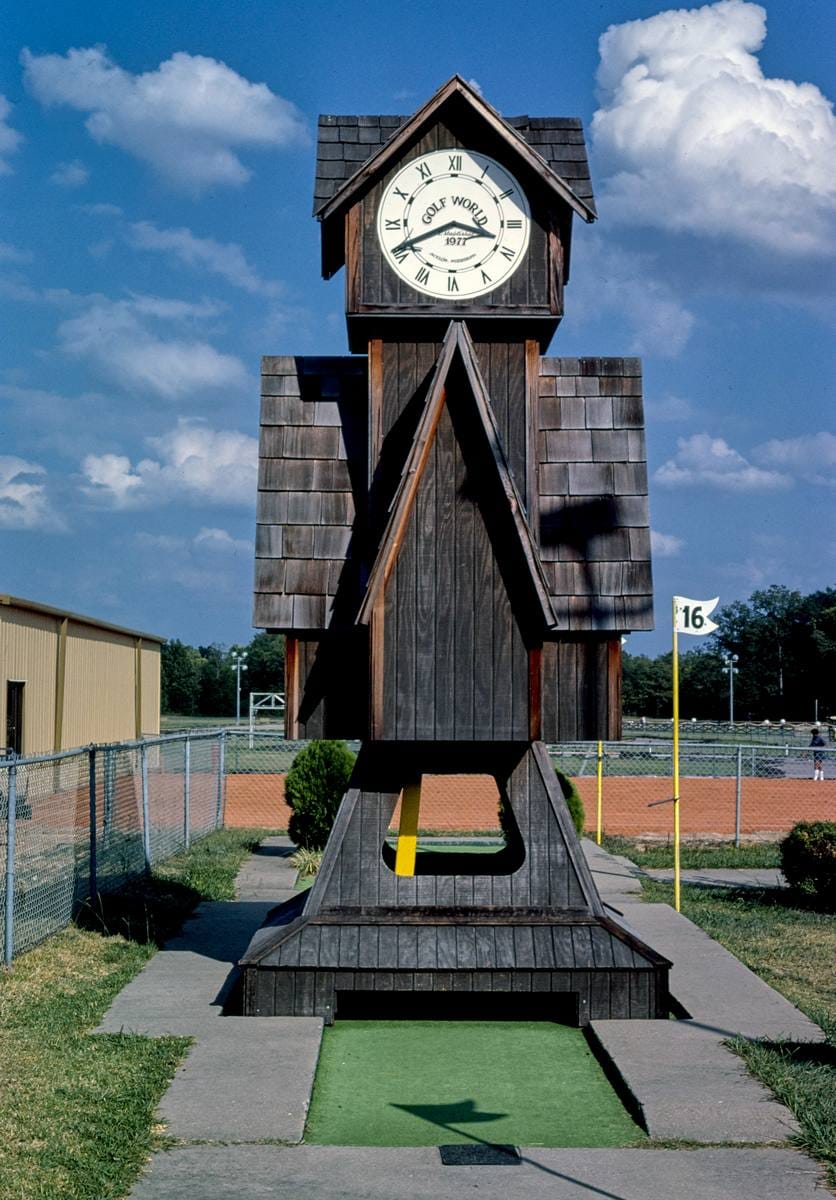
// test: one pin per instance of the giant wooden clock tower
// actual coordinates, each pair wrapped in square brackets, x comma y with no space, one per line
[453,535]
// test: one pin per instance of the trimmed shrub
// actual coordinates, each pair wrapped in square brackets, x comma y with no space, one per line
[573,803]
[808,860]
[313,788]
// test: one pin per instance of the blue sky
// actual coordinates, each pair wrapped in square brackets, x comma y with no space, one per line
[156,168]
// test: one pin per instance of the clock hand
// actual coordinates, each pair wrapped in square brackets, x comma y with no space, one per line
[408,243]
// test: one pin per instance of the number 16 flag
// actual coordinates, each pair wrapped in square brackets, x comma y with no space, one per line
[691,616]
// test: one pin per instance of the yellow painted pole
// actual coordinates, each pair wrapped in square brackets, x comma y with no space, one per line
[598,830]
[408,830]
[676,889]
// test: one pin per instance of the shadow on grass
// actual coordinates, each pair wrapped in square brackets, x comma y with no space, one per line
[146,910]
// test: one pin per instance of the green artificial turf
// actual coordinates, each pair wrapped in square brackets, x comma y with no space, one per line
[429,1083]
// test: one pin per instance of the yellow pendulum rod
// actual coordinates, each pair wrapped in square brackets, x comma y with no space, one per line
[675,664]
[408,830]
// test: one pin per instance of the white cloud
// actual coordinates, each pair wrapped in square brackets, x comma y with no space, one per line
[812,457]
[226,259]
[24,504]
[212,563]
[603,275]
[118,338]
[665,545]
[70,174]
[668,408]
[11,254]
[100,249]
[192,463]
[102,210]
[10,139]
[711,462]
[186,118]
[222,542]
[694,137]
[219,541]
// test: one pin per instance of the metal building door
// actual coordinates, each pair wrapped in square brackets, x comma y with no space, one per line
[14,716]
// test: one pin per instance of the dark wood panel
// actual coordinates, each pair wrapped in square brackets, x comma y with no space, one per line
[444,581]
[426,597]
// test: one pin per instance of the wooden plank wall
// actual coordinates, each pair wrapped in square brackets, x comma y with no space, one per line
[601,994]
[455,663]
[581,689]
[552,872]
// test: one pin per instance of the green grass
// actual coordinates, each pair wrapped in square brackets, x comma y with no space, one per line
[695,855]
[77,1111]
[794,950]
[428,1083]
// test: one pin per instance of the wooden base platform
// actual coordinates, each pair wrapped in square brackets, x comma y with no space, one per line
[531,926]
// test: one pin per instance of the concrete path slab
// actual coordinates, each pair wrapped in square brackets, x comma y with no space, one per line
[618,880]
[245,1080]
[732,877]
[718,991]
[359,1173]
[189,980]
[688,1085]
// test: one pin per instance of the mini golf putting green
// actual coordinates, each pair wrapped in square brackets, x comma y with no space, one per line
[427,1083]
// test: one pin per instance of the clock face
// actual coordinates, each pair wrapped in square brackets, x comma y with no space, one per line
[453,224]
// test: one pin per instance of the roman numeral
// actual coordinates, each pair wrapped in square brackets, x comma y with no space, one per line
[507,192]
[395,225]
[514,224]
[452,285]
[424,171]
[403,195]
[486,277]
[422,276]
[508,253]
[400,255]
[455,162]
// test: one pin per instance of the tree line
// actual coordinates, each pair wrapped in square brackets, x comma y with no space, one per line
[786,648]
[201,680]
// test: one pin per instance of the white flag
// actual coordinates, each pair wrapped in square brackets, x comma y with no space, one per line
[691,616]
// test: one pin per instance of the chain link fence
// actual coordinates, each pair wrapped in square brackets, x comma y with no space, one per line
[75,823]
[78,822]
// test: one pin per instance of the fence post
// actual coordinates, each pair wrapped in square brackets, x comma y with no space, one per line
[187,767]
[94,868]
[737,792]
[108,775]
[219,814]
[10,865]
[146,824]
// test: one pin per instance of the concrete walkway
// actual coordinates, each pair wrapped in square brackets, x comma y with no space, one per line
[733,877]
[243,1080]
[248,1081]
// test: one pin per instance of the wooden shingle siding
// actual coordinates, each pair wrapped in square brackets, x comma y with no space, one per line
[312,486]
[344,144]
[593,523]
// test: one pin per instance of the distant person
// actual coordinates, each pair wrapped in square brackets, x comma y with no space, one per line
[817,743]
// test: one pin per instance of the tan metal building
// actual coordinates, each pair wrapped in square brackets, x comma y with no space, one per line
[68,680]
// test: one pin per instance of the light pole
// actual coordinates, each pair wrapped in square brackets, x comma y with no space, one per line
[731,670]
[238,665]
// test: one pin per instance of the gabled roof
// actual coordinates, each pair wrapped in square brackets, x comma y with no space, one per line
[458,347]
[454,90]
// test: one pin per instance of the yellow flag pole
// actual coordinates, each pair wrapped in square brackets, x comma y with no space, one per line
[600,792]
[676,880]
